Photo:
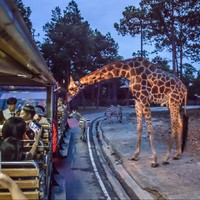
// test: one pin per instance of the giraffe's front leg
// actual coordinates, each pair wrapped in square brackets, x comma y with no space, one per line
[147,115]
[138,109]
[137,151]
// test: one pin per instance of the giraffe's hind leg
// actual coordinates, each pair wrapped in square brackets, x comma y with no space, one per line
[179,137]
[147,115]
[171,141]
[176,128]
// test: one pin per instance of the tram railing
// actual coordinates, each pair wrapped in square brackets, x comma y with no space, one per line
[27,176]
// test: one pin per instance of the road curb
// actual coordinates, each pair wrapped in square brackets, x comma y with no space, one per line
[115,161]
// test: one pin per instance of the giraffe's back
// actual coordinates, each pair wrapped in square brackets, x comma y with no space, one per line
[166,88]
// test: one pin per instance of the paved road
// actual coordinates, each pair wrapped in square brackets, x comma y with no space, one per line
[178,180]
[82,170]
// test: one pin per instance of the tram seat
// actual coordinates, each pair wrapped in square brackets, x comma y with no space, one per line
[60,113]
[46,139]
[43,158]
[62,124]
[46,126]
[47,133]
[47,159]
[28,177]
[60,116]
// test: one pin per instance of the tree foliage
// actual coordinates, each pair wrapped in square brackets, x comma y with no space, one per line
[162,63]
[164,23]
[71,47]
[189,74]
[25,13]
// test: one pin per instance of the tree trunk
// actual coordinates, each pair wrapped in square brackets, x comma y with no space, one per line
[83,100]
[128,97]
[109,93]
[173,43]
[181,62]
[93,96]
[115,92]
[98,95]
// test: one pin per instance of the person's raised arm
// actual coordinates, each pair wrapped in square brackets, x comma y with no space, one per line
[11,185]
[31,153]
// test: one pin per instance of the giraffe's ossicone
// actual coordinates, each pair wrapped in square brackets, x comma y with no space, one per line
[148,85]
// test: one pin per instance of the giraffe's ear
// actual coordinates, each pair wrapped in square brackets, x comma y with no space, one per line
[71,79]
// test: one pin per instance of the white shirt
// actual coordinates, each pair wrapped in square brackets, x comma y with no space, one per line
[7,114]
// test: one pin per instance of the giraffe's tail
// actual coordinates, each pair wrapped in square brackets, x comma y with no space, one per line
[185,125]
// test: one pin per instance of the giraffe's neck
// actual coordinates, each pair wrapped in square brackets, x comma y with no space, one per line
[115,70]
[148,84]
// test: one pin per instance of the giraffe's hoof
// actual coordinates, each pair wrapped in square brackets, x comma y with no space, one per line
[175,158]
[165,162]
[154,165]
[134,159]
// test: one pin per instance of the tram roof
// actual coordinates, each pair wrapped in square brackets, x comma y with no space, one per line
[20,60]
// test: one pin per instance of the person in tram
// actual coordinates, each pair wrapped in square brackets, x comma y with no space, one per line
[27,113]
[11,111]
[11,146]
[2,118]
[40,115]
[11,185]
[15,127]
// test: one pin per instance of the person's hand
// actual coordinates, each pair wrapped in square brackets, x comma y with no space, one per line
[38,135]
[6,181]
[12,186]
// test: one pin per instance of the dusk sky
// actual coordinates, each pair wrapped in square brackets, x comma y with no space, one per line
[101,15]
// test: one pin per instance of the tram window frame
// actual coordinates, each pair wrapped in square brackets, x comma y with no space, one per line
[24,96]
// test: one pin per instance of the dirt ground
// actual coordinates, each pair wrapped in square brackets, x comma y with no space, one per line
[179,179]
[193,139]
[161,122]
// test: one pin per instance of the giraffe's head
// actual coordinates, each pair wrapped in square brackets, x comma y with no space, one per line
[73,89]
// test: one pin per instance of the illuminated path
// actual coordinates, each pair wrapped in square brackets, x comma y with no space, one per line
[84,176]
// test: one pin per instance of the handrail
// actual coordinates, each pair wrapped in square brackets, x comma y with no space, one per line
[21,163]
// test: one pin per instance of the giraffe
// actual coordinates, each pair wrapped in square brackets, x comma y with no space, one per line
[148,84]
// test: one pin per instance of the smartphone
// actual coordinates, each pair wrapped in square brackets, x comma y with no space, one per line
[34,127]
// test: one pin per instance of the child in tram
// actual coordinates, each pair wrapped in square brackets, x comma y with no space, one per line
[13,132]
[27,113]
[11,149]
[15,127]
[40,115]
